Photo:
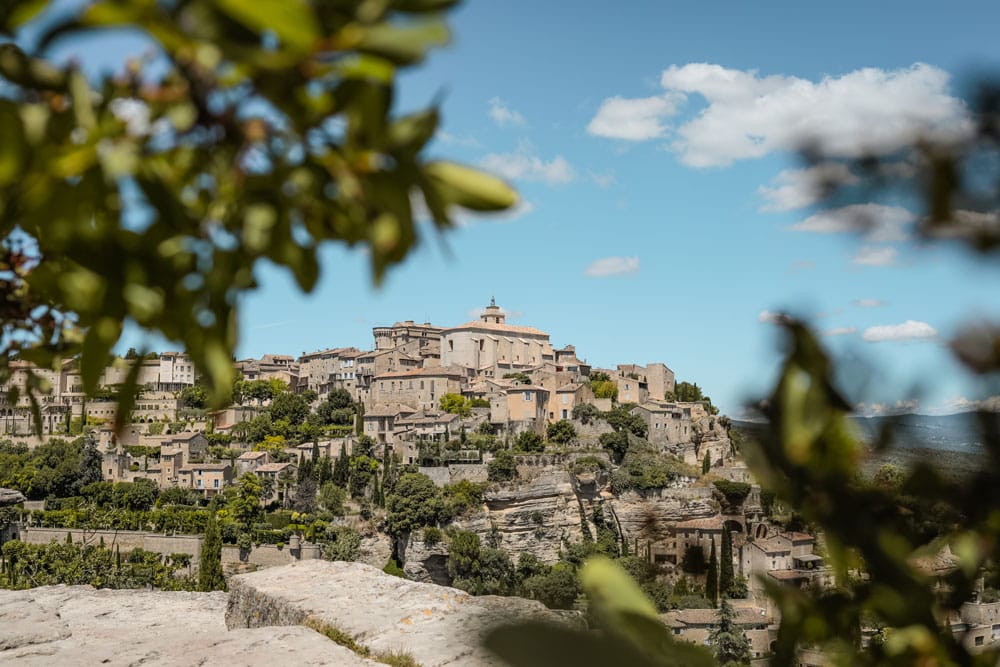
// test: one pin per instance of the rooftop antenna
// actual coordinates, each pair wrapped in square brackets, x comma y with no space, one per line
[493,302]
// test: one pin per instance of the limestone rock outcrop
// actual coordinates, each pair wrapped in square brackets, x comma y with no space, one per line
[78,625]
[533,516]
[11,497]
[436,625]
[646,516]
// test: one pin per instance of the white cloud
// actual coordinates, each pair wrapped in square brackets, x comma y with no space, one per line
[875,256]
[869,303]
[878,223]
[613,266]
[466,141]
[901,407]
[636,119]
[503,115]
[799,188]
[523,164]
[908,330]
[840,331]
[868,110]
[963,404]
[603,180]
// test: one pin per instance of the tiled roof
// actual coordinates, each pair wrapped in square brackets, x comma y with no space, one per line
[439,371]
[572,386]
[525,387]
[249,456]
[390,410]
[497,328]
[685,617]
[273,467]
[711,523]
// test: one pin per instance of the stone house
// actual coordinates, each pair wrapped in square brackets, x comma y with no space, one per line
[248,462]
[280,477]
[316,368]
[695,626]
[656,378]
[419,388]
[209,478]
[521,407]
[692,532]
[568,397]
[380,422]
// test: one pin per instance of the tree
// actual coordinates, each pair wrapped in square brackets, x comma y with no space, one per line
[455,404]
[706,463]
[726,576]
[290,407]
[210,577]
[194,396]
[730,643]
[342,469]
[560,432]
[332,498]
[616,443]
[688,392]
[529,441]
[415,502]
[246,507]
[304,497]
[585,412]
[502,468]
[693,561]
[90,463]
[712,577]
[201,160]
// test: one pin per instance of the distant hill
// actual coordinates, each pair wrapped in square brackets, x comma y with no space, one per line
[952,440]
[956,433]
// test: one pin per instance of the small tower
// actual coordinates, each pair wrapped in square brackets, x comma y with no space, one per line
[493,314]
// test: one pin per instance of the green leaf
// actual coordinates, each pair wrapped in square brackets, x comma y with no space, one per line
[412,132]
[97,344]
[292,21]
[404,45]
[470,188]
[15,13]
[538,644]
[12,144]
[127,394]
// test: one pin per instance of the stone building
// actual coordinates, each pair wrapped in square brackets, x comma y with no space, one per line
[695,626]
[316,369]
[655,378]
[492,347]
[420,388]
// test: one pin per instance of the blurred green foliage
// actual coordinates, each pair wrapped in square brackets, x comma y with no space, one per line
[153,198]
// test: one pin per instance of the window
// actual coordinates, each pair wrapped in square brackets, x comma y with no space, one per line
[480,344]
[421,384]
[527,395]
[215,483]
[979,641]
[451,346]
[565,400]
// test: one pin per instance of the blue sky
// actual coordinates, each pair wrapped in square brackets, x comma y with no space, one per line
[643,137]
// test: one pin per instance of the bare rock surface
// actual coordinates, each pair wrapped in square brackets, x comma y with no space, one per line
[11,497]
[436,625]
[78,625]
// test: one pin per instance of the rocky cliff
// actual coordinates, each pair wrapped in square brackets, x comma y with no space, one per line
[260,622]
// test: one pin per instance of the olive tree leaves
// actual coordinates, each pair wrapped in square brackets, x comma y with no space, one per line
[152,196]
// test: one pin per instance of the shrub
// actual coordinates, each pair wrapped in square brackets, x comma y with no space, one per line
[560,432]
[415,502]
[462,497]
[585,413]
[432,535]
[734,493]
[393,568]
[502,468]
[529,441]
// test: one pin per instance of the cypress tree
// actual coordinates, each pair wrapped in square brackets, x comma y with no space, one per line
[210,576]
[342,470]
[712,578]
[726,564]
[706,464]
[315,451]
[730,643]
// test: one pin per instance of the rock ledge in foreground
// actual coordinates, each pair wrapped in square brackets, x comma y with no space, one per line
[436,625]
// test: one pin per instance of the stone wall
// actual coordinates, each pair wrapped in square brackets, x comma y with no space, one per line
[454,472]
[126,540]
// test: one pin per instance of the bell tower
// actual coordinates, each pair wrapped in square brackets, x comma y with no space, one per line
[493,314]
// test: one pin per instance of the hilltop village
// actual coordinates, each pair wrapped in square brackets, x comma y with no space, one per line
[478,456]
